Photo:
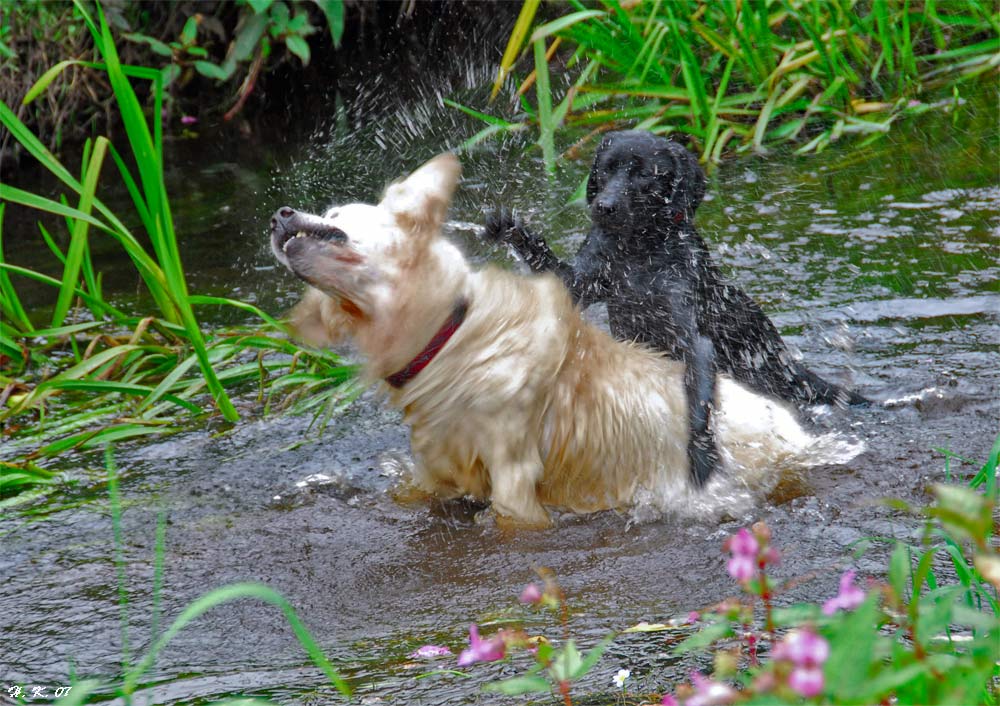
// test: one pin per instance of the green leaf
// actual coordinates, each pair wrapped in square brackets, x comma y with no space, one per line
[520,685]
[227,594]
[899,571]
[155,44]
[48,77]
[190,30]
[298,46]
[259,6]
[705,637]
[963,512]
[248,37]
[210,70]
[486,118]
[334,11]
[78,239]
[852,650]
[566,662]
[515,42]
[594,656]
[562,23]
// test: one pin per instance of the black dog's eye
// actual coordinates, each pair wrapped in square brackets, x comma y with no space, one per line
[334,235]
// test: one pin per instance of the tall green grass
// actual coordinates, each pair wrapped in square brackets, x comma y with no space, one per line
[93,373]
[749,75]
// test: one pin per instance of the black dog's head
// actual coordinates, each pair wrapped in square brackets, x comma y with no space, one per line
[641,181]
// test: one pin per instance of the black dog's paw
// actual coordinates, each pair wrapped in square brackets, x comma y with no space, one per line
[503,226]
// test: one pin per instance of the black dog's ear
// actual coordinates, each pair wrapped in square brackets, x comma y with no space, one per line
[688,187]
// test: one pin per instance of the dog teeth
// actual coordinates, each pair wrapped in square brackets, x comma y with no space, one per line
[300,234]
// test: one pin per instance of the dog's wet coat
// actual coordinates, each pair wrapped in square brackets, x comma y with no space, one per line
[644,257]
[524,404]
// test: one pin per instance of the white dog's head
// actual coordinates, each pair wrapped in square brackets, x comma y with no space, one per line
[378,273]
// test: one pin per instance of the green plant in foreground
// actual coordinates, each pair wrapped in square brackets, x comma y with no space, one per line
[133,671]
[913,638]
[749,74]
[95,374]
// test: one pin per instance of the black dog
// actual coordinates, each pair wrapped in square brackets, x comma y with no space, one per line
[644,257]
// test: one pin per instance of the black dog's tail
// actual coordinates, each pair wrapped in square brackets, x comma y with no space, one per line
[810,388]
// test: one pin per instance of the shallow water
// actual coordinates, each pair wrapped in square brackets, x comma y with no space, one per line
[879,265]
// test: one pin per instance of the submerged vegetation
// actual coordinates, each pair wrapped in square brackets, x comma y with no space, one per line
[745,75]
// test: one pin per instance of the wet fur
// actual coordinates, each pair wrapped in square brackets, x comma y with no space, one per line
[645,258]
[527,405]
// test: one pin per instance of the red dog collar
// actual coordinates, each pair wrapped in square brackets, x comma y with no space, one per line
[400,378]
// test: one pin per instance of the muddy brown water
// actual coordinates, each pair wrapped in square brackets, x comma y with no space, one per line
[879,264]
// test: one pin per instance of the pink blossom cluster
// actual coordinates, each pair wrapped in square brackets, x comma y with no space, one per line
[806,651]
[848,597]
[750,552]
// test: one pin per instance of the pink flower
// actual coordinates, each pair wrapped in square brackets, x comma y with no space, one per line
[807,651]
[708,692]
[480,650]
[429,652]
[849,597]
[531,594]
[803,648]
[743,543]
[694,616]
[188,120]
[744,547]
[741,568]
[806,681]
[668,700]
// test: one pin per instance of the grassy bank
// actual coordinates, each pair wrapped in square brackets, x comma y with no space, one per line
[742,76]
[92,373]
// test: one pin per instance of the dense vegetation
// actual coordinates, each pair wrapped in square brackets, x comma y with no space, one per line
[746,75]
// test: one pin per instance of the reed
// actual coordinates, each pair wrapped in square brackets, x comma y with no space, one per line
[127,376]
[747,76]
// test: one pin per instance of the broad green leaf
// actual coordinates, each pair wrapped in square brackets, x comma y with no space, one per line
[298,46]
[190,30]
[248,37]
[566,662]
[210,70]
[334,11]
[259,6]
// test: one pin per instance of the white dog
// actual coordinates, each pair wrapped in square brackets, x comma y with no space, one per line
[510,395]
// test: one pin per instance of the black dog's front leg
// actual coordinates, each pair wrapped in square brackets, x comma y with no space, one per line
[698,354]
[585,279]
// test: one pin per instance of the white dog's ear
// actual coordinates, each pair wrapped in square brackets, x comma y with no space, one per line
[420,202]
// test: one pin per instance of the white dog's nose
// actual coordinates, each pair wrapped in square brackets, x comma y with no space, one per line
[281,218]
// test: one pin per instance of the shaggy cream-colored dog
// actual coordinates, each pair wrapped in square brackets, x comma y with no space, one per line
[509,394]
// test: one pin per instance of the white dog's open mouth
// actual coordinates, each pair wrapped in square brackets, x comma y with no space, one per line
[289,225]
